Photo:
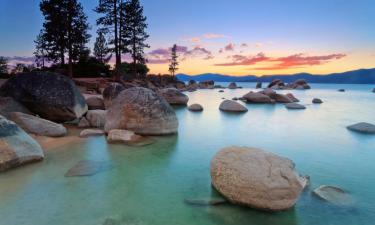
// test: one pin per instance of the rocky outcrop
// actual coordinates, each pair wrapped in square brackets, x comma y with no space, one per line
[317,101]
[142,111]
[91,132]
[209,84]
[195,108]
[276,84]
[173,96]
[292,97]
[39,126]
[96,118]
[256,97]
[95,102]
[294,105]
[111,92]
[332,194]
[16,146]
[299,84]
[256,178]
[9,105]
[365,128]
[232,85]
[52,96]
[232,106]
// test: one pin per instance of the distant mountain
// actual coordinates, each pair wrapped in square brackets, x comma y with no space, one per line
[362,76]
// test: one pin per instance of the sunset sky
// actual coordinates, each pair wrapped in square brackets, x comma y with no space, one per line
[237,37]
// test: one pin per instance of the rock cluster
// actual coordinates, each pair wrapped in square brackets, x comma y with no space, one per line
[278,84]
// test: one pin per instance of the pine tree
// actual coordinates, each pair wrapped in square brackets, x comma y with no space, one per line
[174,63]
[101,49]
[134,35]
[3,65]
[40,50]
[65,30]
[112,23]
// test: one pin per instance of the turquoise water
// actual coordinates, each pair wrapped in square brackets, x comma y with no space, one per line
[148,185]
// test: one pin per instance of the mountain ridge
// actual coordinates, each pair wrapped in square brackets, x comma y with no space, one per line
[360,76]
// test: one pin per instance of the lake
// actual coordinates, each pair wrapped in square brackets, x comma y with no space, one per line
[148,185]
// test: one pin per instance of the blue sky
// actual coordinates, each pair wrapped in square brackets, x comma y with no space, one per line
[340,34]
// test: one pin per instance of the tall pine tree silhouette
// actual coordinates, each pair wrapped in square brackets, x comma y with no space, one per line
[174,61]
[65,30]
[134,36]
[101,49]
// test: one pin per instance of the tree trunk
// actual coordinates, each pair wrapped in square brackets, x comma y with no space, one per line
[134,56]
[117,53]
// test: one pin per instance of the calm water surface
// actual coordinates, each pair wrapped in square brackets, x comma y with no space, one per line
[148,185]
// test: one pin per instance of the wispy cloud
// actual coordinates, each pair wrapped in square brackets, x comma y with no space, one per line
[241,60]
[214,36]
[162,55]
[229,47]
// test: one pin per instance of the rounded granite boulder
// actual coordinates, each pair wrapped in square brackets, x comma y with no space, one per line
[256,178]
[141,110]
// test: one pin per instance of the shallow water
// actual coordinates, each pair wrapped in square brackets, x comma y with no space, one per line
[148,185]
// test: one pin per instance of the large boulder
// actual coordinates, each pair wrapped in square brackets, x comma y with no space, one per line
[256,178]
[9,105]
[232,106]
[52,96]
[254,97]
[366,128]
[16,146]
[142,111]
[174,96]
[111,92]
[276,84]
[299,84]
[39,126]
[96,118]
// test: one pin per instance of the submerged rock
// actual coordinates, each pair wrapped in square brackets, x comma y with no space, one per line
[256,178]
[9,105]
[232,106]
[142,111]
[366,128]
[332,194]
[87,168]
[16,146]
[253,97]
[195,108]
[128,137]
[91,132]
[294,106]
[205,201]
[39,126]
[174,96]
[317,101]
[111,92]
[52,96]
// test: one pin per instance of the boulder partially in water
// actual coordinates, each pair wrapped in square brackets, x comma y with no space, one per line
[334,195]
[208,84]
[9,105]
[258,97]
[141,110]
[232,85]
[174,96]
[256,178]
[258,85]
[232,106]
[317,101]
[341,90]
[366,128]
[195,107]
[52,96]
[128,137]
[292,97]
[280,98]
[111,92]
[39,126]
[16,146]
